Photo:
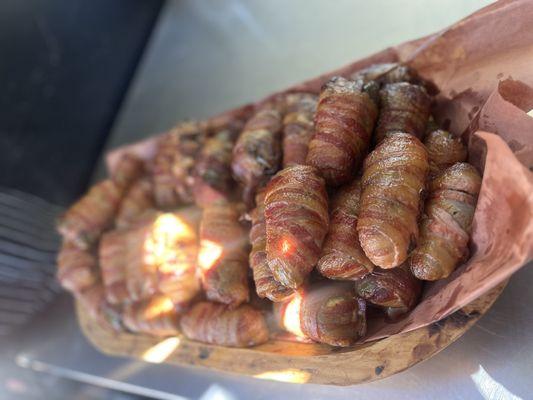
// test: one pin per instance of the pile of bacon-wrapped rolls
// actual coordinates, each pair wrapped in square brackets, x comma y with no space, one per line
[327,205]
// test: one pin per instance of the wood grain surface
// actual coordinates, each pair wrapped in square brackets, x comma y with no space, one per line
[298,362]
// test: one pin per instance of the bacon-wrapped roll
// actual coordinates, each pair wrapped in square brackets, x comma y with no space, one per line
[444,150]
[113,252]
[446,226]
[93,300]
[327,313]
[77,268]
[344,121]
[404,108]
[212,172]
[137,199]
[157,316]
[298,127]
[396,289]
[394,176]
[342,256]
[85,220]
[296,215]
[257,153]
[129,168]
[174,162]
[265,284]
[217,324]
[223,257]
[386,73]
[161,256]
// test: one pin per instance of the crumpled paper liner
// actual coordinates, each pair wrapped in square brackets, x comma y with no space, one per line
[482,68]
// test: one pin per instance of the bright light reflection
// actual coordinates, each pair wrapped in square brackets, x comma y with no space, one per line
[161,351]
[489,388]
[286,375]
[171,226]
[291,316]
[209,254]
[162,247]
[286,246]
[158,306]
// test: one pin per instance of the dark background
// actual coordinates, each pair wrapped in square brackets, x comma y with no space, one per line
[65,66]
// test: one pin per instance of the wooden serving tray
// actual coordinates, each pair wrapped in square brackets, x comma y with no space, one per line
[298,362]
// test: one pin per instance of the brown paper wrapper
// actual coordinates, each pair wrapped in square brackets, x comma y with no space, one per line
[482,69]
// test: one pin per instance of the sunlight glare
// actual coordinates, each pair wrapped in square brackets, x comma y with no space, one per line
[209,254]
[291,316]
[161,351]
[286,375]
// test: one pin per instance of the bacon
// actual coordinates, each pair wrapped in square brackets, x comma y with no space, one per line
[257,153]
[342,256]
[223,256]
[394,176]
[217,324]
[404,108]
[296,215]
[85,220]
[446,226]
[265,284]
[344,121]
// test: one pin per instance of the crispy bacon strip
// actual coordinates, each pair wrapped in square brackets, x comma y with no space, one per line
[157,254]
[296,215]
[156,316]
[444,150]
[396,289]
[326,313]
[446,226]
[386,73]
[342,256]
[174,162]
[93,300]
[298,127]
[257,153]
[394,176]
[404,108]
[217,324]
[77,268]
[85,220]
[223,256]
[212,172]
[265,284]
[344,121]
[136,201]
[128,170]
[113,256]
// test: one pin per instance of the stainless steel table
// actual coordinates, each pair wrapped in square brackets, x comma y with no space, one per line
[207,56]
